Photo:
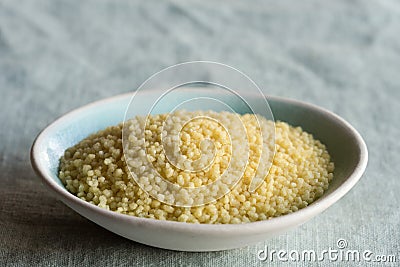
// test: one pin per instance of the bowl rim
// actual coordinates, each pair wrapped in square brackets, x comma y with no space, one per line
[276,223]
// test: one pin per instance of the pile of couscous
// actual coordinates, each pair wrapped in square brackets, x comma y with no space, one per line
[199,167]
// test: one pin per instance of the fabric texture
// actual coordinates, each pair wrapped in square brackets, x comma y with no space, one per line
[58,55]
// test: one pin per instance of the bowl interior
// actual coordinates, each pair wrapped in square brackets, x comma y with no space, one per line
[70,129]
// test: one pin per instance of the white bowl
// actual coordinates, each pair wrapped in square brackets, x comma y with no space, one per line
[345,145]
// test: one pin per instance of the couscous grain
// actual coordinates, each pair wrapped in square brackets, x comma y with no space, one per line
[195,150]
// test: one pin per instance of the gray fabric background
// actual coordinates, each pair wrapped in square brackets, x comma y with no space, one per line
[58,55]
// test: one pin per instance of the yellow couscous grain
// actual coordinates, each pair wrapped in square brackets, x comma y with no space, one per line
[98,171]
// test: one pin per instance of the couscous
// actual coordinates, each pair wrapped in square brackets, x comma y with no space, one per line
[199,167]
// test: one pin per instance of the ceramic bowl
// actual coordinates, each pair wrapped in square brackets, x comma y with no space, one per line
[346,146]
